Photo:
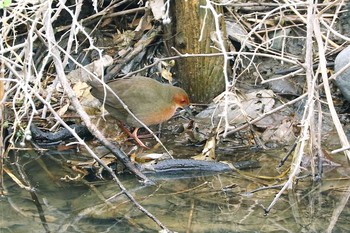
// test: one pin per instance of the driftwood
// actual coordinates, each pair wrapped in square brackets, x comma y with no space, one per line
[189,168]
[61,135]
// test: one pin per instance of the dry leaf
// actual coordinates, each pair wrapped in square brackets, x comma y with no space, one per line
[167,75]
[81,89]
[157,8]
[96,68]
[63,110]
[240,109]
[208,153]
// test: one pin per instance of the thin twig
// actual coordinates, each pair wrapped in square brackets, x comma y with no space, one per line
[323,70]
[308,113]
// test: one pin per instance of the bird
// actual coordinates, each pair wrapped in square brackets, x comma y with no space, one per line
[150,101]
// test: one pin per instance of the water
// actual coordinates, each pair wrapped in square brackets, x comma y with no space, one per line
[217,203]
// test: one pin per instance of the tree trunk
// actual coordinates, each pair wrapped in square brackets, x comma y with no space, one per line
[201,77]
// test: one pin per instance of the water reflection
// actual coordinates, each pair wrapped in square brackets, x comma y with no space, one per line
[204,204]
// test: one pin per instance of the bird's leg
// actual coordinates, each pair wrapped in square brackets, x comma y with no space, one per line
[132,135]
[125,130]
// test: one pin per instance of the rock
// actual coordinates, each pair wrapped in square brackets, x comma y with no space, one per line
[343,80]
[284,87]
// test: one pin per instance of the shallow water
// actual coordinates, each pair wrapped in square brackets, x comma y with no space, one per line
[217,203]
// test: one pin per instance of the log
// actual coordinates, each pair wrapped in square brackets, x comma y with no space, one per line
[201,77]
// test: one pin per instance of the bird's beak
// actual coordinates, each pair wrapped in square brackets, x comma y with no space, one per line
[188,110]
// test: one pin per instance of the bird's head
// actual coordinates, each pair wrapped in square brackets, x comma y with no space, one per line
[180,98]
